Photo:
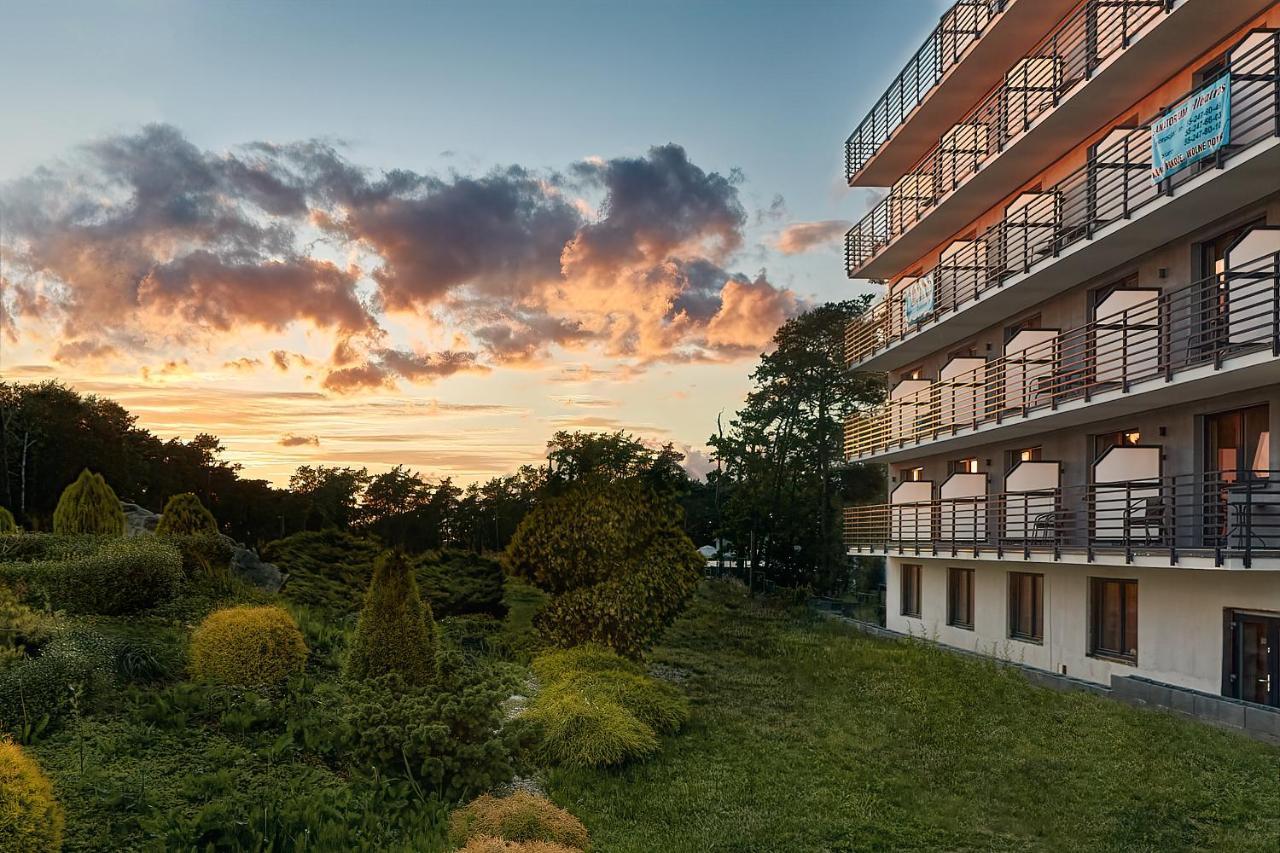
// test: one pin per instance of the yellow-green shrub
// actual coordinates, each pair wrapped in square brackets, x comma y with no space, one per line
[655,703]
[184,515]
[582,731]
[588,657]
[31,821]
[8,524]
[247,647]
[519,817]
[497,845]
[89,506]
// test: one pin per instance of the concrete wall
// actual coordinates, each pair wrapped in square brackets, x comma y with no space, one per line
[1180,617]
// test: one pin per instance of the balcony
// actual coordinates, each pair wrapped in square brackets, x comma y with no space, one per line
[1101,60]
[1145,349]
[1218,519]
[1106,212]
[959,62]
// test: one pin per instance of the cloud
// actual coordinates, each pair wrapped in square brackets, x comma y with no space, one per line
[243,364]
[385,366]
[802,237]
[83,350]
[750,312]
[291,440]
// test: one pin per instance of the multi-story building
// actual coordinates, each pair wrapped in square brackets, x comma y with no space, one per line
[1080,250]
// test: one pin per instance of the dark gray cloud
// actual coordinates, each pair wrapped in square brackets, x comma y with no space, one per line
[385,366]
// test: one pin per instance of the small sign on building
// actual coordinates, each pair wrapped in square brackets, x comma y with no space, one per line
[1193,130]
[917,300]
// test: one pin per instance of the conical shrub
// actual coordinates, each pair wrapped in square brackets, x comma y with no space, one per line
[7,522]
[89,506]
[396,633]
[30,817]
[184,515]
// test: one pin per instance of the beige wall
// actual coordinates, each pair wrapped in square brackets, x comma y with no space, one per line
[1180,617]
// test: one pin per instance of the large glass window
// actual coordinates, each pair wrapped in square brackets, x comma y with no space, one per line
[1113,619]
[1238,444]
[1026,607]
[910,591]
[960,598]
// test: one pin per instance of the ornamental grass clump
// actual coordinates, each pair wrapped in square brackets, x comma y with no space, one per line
[8,524]
[659,705]
[522,817]
[396,633]
[89,506]
[583,731]
[31,821]
[588,657]
[184,515]
[247,647]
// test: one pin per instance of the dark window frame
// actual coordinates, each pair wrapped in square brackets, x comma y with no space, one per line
[910,593]
[955,619]
[1036,633]
[1097,615]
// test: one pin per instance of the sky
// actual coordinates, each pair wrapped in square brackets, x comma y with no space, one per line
[427,234]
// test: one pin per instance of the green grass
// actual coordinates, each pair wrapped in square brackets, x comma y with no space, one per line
[807,735]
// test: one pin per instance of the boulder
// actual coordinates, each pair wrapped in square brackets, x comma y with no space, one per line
[138,519]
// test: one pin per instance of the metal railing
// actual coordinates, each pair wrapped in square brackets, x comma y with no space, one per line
[1157,335]
[1220,514]
[1034,86]
[1114,185]
[961,26]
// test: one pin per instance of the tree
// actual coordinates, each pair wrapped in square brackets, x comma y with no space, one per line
[331,495]
[781,475]
[391,504]
[184,515]
[89,506]
[396,632]
[573,457]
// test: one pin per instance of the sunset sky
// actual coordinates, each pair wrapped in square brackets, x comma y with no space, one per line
[429,234]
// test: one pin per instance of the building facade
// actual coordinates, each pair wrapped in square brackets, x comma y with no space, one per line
[1080,331]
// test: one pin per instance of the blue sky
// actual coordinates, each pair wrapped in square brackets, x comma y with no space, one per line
[770,89]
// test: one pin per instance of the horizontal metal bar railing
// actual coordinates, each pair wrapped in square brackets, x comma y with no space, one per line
[1160,335]
[1114,185]
[961,26]
[1223,514]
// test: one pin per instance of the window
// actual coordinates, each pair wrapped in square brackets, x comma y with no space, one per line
[913,373]
[960,598]
[911,591]
[911,475]
[968,351]
[968,465]
[1238,444]
[1113,619]
[1120,438]
[1025,454]
[1032,322]
[1100,295]
[1026,607]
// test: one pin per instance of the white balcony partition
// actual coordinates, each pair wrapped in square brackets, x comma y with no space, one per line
[1028,367]
[962,148]
[962,385]
[1126,495]
[1253,65]
[960,267]
[1029,89]
[910,197]
[1030,226]
[1250,284]
[1031,501]
[910,511]
[962,512]
[1127,339]
[909,408]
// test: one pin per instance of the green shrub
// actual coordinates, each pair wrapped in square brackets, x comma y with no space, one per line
[30,547]
[587,658]
[35,693]
[111,577]
[184,515]
[247,647]
[89,506]
[327,569]
[206,560]
[396,633]
[461,583]
[660,706]
[31,821]
[519,817]
[580,731]
[616,561]
[8,524]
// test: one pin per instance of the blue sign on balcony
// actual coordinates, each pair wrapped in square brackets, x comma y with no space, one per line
[917,300]
[1193,130]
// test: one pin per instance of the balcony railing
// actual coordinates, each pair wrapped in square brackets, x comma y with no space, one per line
[962,25]
[1220,514]
[1114,185]
[1139,335]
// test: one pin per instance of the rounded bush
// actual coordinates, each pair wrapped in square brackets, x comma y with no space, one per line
[580,731]
[8,524]
[498,845]
[659,705]
[184,515]
[31,821]
[247,647]
[522,816]
[89,506]
[106,577]
[396,633]
[588,657]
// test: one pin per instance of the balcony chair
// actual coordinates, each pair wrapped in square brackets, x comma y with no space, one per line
[1147,518]
[1254,507]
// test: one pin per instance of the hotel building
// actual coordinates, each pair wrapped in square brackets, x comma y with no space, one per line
[1080,329]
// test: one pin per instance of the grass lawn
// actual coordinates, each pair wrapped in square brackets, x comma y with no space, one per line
[807,735]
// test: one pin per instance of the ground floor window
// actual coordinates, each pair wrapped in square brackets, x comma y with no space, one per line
[1026,607]
[1113,619]
[910,591]
[960,598]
